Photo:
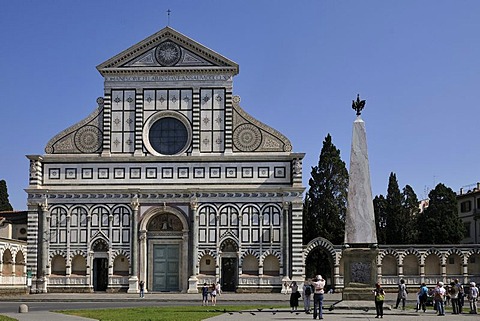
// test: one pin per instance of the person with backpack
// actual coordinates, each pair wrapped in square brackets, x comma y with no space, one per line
[307,296]
[379,294]
[205,294]
[461,295]
[454,293]
[422,297]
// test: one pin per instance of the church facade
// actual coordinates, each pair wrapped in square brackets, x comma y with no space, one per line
[168,181]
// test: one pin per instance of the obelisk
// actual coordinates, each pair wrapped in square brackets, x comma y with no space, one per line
[360,253]
[360,227]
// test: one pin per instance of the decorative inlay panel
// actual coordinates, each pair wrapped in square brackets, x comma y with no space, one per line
[151,172]
[54,173]
[71,173]
[247,137]
[88,139]
[263,172]
[167,172]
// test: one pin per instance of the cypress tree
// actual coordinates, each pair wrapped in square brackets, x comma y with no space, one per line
[411,210]
[4,203]
[379,207]
[393,209]
[325,203]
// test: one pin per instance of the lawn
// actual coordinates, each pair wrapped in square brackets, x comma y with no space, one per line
[180,313]
[5,318]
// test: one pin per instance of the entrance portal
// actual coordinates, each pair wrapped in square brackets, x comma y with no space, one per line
[165,274]
[100,274]
[229,273]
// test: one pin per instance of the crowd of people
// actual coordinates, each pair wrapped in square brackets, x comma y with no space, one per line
[454,294]
[440,296]
[315,286]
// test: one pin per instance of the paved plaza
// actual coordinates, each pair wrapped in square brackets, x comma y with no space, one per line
[353,310]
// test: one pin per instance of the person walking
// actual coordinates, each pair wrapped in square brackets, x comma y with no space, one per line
[461,295]
[307,295]
[294,296]
[379,299]
[422,296]
[402,294]
[439,298]
[318,291]
[473,297]
[213,294]
[453,291]
[204,294]
[142,288]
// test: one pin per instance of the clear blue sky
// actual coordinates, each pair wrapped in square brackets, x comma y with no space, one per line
[417,63]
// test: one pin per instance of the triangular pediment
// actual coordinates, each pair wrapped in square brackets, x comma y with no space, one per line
[167,51]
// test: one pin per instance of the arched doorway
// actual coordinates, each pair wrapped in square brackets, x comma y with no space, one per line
[164,250]
[100,265]
[229,264]
[319,259]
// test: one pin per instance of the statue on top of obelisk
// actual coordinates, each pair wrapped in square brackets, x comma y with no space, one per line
[360,229]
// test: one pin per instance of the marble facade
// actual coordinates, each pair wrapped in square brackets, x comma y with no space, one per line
[168,181]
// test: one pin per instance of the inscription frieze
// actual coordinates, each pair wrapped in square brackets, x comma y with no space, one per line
[168,78]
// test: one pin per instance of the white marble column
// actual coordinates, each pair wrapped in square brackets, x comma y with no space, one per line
[45,238]
[193,280]
[143,257]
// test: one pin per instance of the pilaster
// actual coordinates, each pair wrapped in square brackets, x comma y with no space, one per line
[133,280]
[107,123]
[298,264]
[196,121]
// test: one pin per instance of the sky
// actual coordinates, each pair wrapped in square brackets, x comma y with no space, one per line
[416,63]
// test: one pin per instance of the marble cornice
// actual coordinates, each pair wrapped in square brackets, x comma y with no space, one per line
[234,158]
[169,70]
[186,196]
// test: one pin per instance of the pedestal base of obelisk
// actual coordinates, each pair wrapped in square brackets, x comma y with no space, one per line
[360,267]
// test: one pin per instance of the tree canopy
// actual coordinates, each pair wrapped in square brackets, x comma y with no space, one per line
[440,223]
[396,214]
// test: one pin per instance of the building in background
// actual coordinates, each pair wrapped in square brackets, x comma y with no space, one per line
[13,252]
[468,201]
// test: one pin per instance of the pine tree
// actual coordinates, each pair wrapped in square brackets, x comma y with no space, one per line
[4,203]
[379,207]
[440,223]
[325,202]
[393,209]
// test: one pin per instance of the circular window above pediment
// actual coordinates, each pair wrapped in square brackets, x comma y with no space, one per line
[168,53]
[167,133]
